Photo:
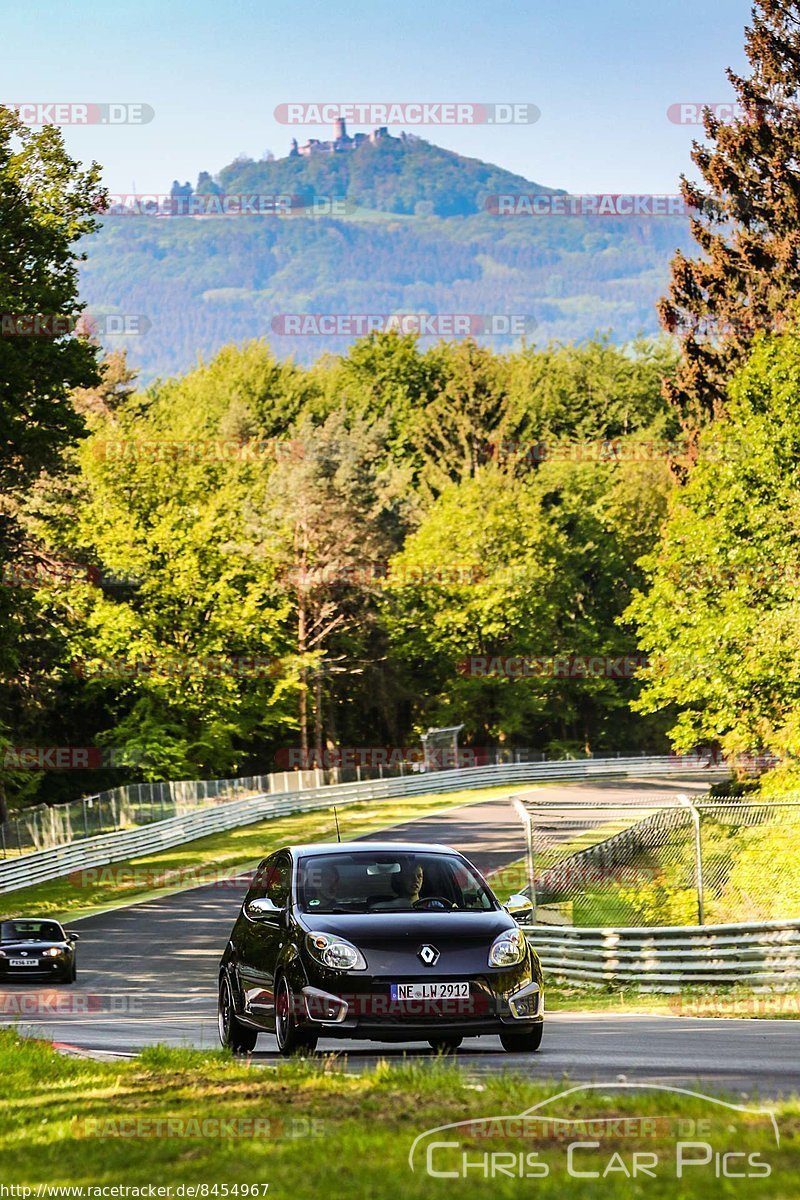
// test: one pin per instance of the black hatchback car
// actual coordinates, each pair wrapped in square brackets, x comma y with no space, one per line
[392,942]
[31,949]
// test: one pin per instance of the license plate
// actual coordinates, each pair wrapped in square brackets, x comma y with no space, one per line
[430,991]
[23,962]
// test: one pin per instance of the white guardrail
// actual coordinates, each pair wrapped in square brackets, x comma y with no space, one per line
[668,958]
[659,959]
[100,851]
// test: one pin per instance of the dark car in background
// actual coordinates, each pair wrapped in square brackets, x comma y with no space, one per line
[32,949]
[391,942]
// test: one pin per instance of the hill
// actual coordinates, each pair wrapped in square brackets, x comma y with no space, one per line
[416,237]
[404,175]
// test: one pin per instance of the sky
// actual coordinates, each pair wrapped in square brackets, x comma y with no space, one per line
[602,72]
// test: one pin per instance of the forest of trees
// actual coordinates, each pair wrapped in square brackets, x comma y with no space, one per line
[256,556]
[205,572]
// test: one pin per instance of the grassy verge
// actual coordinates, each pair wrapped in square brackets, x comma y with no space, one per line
[690,1002]
[172,1118]
[219,856]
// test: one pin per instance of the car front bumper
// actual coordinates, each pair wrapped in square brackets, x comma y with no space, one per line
[46,968]
[367,1010]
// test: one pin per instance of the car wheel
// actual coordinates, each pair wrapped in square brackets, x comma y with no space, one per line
[523,1043]
[290,1039]
[70,975]
[235,1036]
[445,1045]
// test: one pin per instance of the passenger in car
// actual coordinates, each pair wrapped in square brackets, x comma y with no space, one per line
[328,891]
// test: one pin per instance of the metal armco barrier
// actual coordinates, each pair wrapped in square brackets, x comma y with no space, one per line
[670,958]
[89,853]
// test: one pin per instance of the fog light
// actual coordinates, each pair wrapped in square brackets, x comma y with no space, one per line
[322,1006]
[526,1003]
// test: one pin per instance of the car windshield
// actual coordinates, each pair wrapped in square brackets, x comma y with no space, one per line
[30,931]
[380,882]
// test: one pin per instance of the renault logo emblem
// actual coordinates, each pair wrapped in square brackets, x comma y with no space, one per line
[428,955]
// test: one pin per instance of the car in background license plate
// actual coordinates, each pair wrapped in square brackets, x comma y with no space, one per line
[430,991]
[23,962]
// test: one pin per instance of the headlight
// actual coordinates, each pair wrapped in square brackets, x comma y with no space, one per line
[507,949]
[335,952]
[53,952]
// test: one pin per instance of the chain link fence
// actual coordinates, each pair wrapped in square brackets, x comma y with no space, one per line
[699,862]
[47,826]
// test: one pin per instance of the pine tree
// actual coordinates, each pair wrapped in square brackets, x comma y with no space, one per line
[746,221]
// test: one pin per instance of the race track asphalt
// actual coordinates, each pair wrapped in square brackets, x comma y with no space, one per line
[147,974]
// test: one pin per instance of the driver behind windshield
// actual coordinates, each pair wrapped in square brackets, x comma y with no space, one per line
[406,885]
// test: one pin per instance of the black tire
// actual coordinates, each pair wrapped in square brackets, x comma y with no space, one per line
[523,1043]
[290,1039]
[71,975]
[445,1045]
[236,1037]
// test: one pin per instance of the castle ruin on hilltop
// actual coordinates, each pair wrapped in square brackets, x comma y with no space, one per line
[341,141]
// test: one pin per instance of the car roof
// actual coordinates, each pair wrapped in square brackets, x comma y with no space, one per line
[369,847]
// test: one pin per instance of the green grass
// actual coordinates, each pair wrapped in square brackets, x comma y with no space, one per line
[727,1002]
[309,1129]
[205,860]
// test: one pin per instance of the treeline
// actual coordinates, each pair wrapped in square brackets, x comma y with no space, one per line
[199,284]
[257,559]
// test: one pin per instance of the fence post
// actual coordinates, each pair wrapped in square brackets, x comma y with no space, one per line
[527,821]
[698,859]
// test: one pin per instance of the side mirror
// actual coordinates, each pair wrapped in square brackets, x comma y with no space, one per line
[263,909]
[72,936]
[520,908]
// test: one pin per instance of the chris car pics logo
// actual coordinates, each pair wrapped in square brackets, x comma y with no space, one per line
[676,1134]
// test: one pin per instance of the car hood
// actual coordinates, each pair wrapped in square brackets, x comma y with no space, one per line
[32,949]
[391,942]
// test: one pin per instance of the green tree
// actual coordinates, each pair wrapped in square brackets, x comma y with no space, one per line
[47,203]
[721,615]
[747,222]
[331,519]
